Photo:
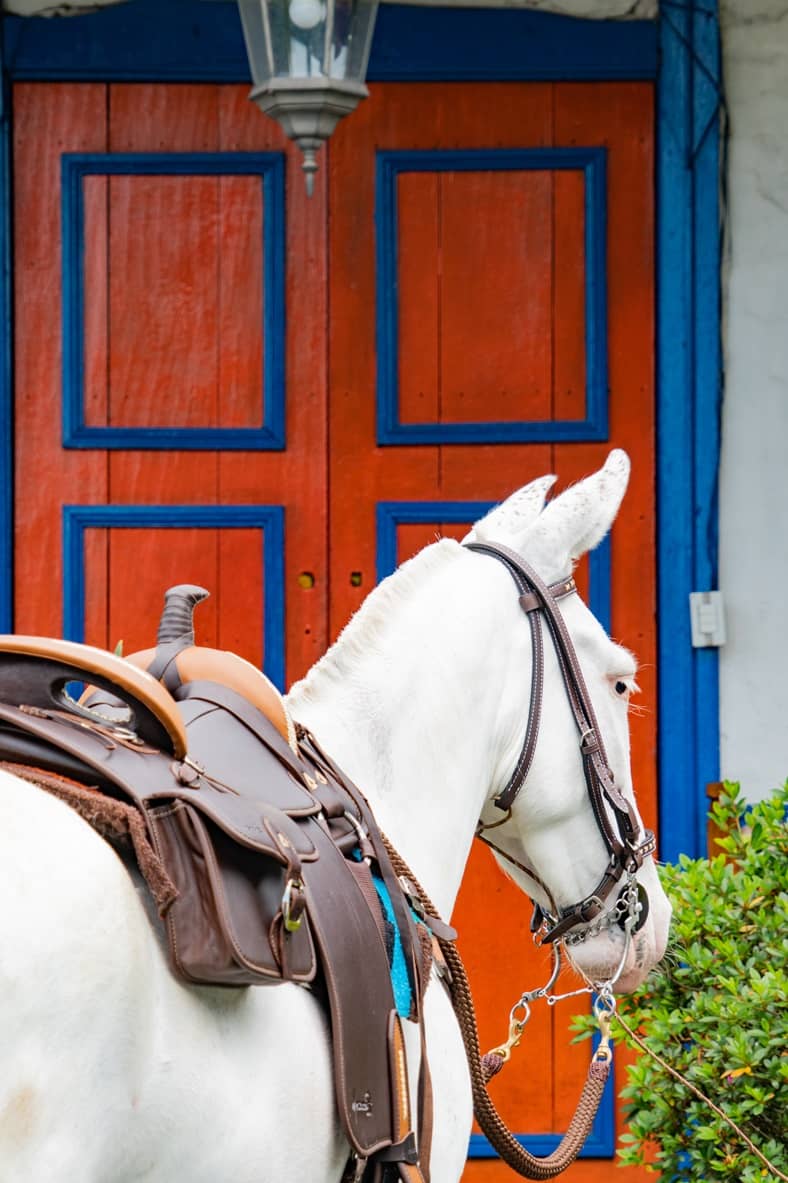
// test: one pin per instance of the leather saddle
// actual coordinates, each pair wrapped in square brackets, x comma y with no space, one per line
[264,859]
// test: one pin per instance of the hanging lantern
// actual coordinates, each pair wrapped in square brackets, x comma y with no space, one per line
[308,60]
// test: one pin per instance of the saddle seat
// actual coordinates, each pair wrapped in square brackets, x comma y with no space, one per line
[128,678]
[198,663]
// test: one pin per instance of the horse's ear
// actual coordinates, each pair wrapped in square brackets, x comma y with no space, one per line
[510,521]
[578,520]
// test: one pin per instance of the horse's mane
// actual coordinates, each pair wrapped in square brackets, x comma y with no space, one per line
[361,634]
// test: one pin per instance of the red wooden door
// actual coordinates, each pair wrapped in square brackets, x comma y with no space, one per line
[151,282]
[491,307]
[477,311]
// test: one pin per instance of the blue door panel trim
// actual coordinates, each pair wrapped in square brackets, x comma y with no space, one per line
[269,519]
[270,168]
[187,41]
[591,162]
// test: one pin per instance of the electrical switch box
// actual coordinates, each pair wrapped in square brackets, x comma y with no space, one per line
[708,619]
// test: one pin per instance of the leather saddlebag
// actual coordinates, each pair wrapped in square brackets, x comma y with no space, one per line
[226,927]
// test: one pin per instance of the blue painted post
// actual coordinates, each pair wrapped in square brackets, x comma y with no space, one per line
[688,361]
[708,377]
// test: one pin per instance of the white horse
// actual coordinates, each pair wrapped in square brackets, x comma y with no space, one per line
[114,1072]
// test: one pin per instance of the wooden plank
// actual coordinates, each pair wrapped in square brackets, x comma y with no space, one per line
[143,563]
[413,537]
[622,119]
[163,302]
[241,594]
[569,312]
[96,310]
[499,115]
[240,302]
[362,473]
[297,477]
[493,918]
[496,295]
[418,296]
[48,120]
[146,382]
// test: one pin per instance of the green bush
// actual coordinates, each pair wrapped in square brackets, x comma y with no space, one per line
[716,1009]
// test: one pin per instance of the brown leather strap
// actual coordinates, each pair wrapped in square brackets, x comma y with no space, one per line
[398,901]
[530,604]
[411,944]
[527,579]
[490,1121]
[615,816]
[164,668]
[426,1107]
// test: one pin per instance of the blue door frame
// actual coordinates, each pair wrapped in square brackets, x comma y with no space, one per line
[200,40]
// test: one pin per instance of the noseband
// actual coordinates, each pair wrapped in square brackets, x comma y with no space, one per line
[615,816]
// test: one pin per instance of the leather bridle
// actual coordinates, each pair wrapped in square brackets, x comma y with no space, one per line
[615,816]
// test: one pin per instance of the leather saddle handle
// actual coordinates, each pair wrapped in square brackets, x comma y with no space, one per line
[36,671]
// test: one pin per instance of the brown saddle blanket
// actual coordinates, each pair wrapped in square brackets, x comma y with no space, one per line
[259,852]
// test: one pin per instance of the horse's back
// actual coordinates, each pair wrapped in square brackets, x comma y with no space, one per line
[68,919]
[113,1072]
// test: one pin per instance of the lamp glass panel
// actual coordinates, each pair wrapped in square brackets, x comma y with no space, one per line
[354,23]
[308,38]
[257,34]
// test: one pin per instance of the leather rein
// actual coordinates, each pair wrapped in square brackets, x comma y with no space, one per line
[615,817]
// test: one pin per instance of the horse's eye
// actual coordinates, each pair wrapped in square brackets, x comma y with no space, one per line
[621,687]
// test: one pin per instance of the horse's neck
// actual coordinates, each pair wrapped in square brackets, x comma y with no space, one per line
[414,720]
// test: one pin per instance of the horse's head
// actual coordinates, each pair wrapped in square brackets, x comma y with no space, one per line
[567,833]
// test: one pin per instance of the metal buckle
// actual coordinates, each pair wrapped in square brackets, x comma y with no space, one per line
[293,903]
[591,901]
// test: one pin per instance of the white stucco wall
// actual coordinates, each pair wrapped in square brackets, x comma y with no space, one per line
[754,471]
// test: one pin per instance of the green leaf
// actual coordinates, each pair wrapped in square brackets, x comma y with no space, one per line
[716,1009]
